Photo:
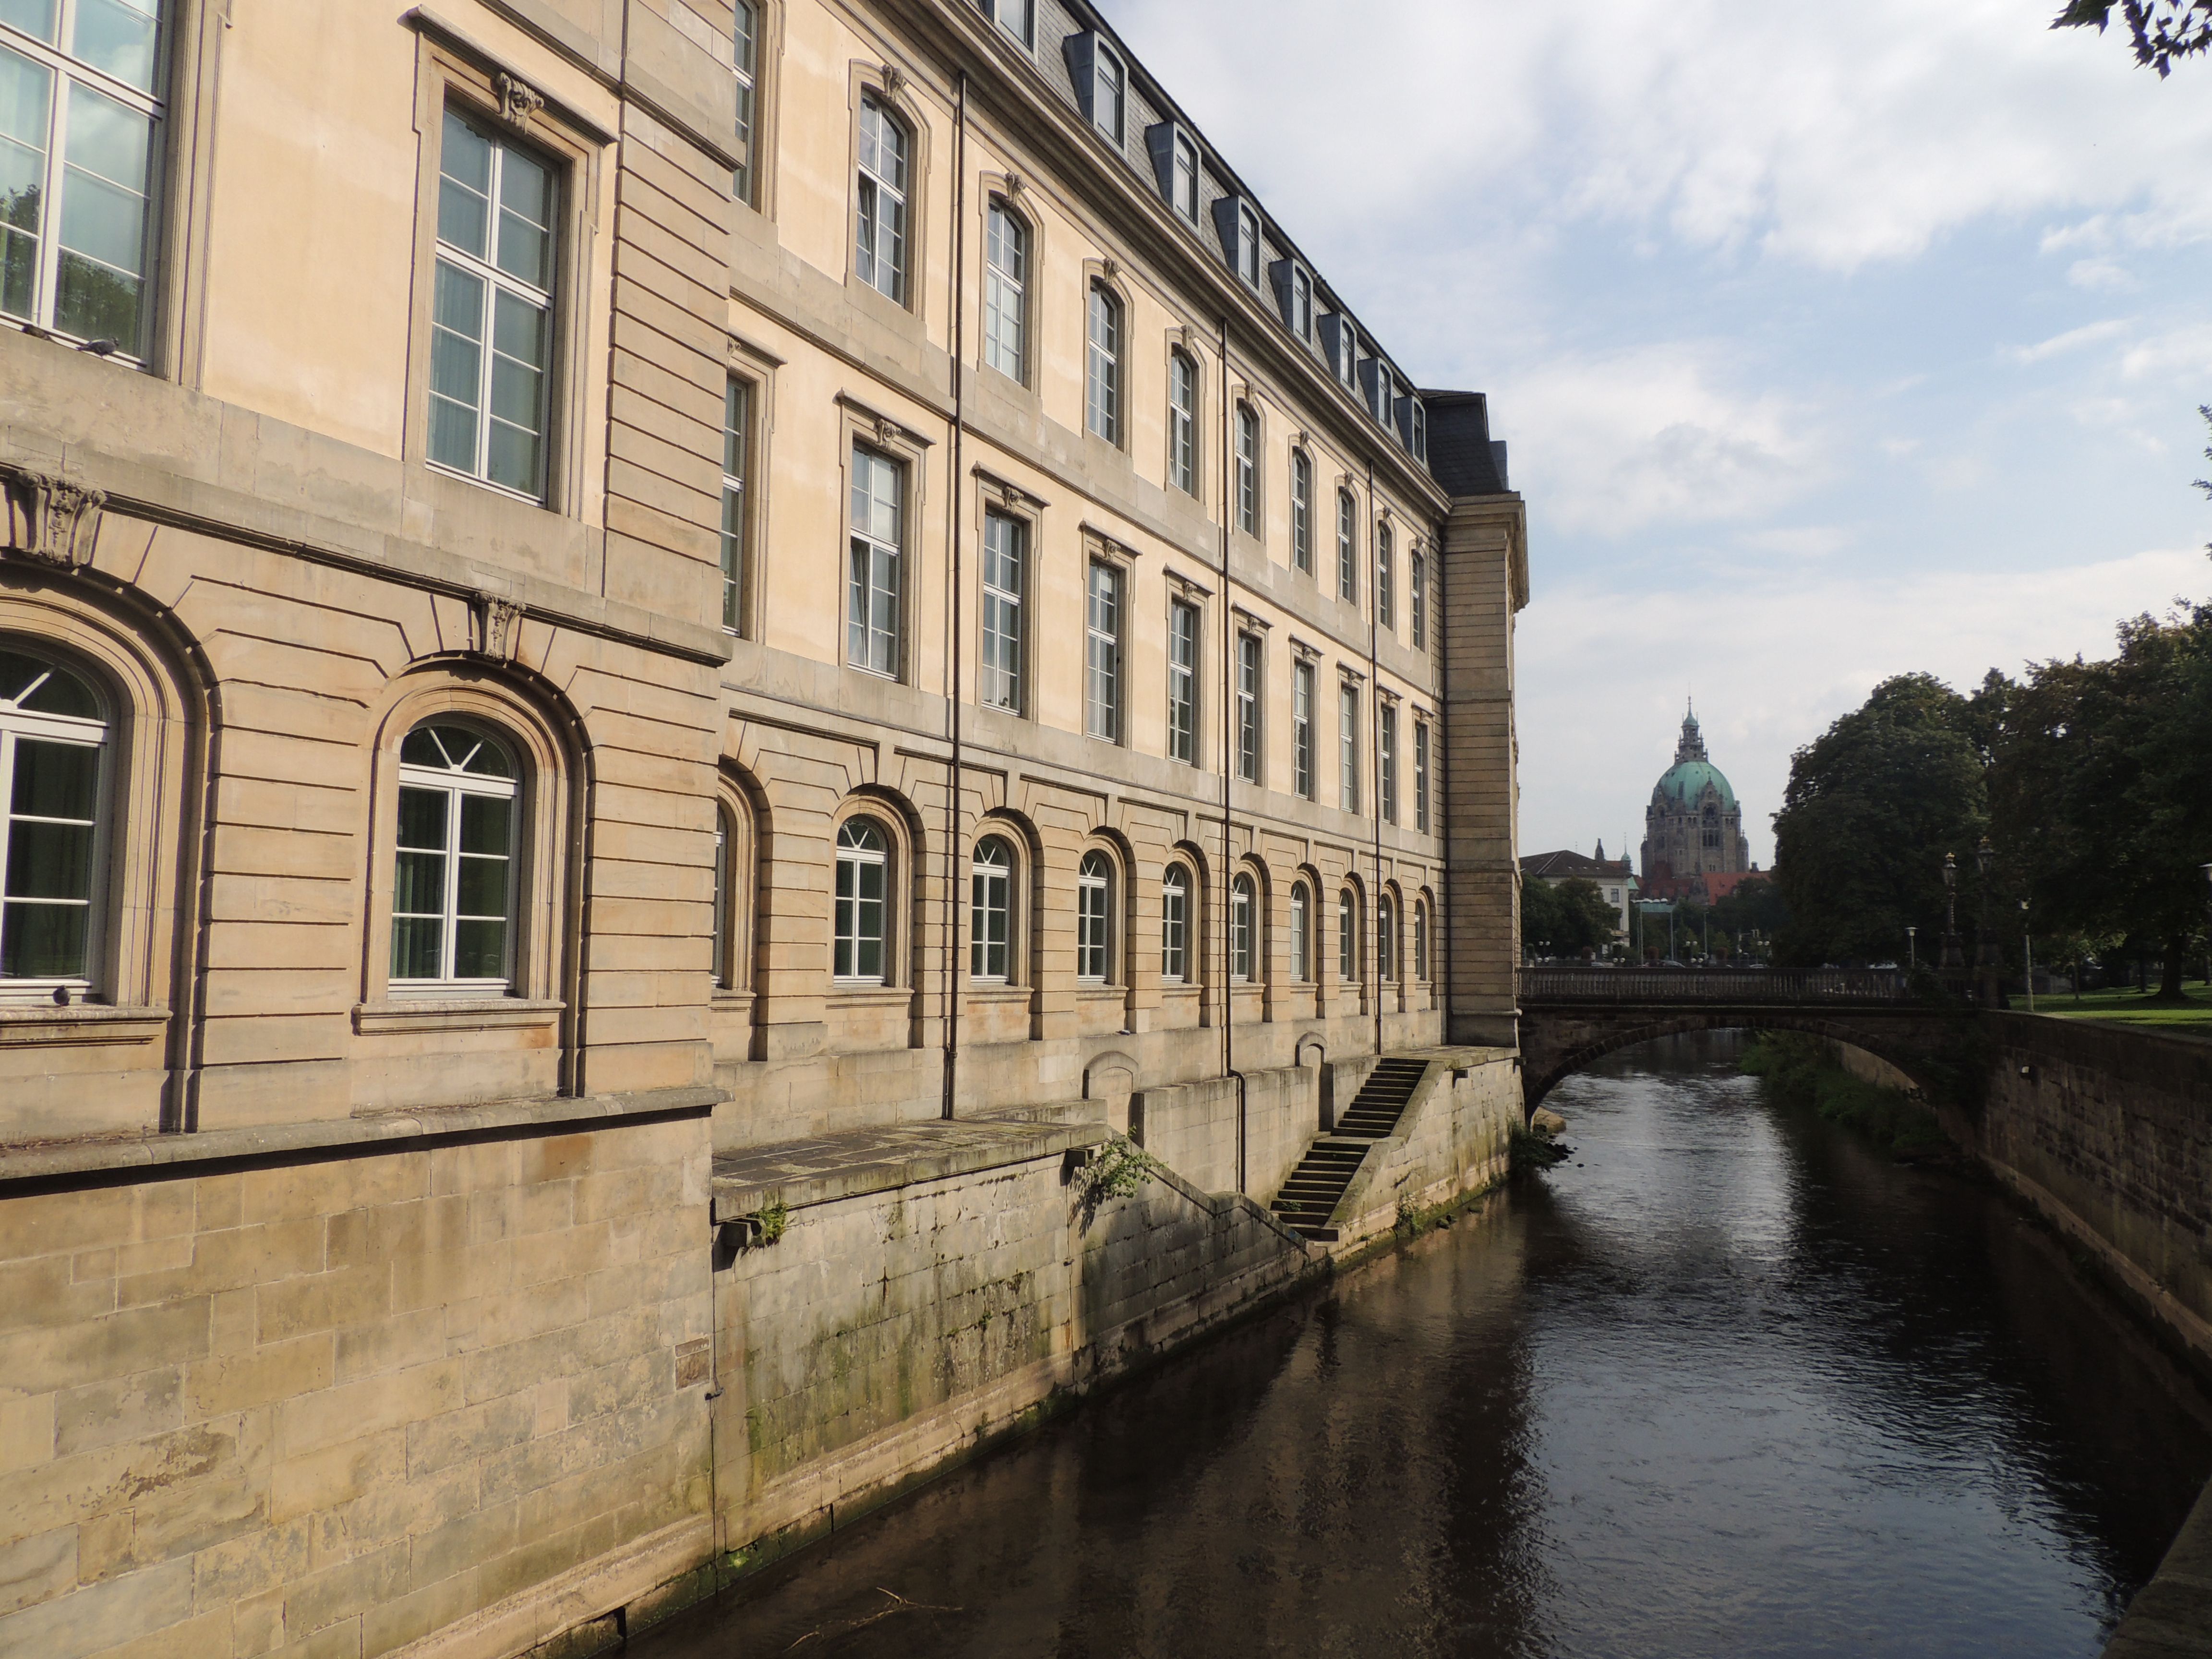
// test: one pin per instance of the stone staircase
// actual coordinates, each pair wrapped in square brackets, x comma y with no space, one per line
[1310,1197]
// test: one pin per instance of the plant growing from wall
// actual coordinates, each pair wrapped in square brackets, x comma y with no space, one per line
[1121,1168]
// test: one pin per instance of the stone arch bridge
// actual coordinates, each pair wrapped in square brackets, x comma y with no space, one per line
[1570,1016]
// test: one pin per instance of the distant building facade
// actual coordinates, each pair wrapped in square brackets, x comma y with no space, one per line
[1613,877]
[1693,827]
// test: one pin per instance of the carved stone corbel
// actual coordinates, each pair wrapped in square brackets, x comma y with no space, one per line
[497,624]
[517,100]
[51,520]
[894,78]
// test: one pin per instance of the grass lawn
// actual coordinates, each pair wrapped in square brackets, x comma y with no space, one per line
[2131,1007]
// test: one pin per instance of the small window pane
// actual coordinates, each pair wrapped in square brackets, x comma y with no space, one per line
[465,187]
[36,18]
[116,37]
[55,780]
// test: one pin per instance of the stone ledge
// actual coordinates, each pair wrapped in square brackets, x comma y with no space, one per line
[436,1013]
[797,1174]
[46,1026]
[56,1162]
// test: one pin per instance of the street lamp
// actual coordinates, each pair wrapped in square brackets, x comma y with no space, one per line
[1954,955]
[2027,954]
[1913,950]
[1985,954]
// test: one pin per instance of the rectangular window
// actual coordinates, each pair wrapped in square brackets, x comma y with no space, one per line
[879,194]
[1248,707]
[1301,935]
[1017,18]
[491,330]
[1006,574]
[1417,579]
[1182,682]
[1006,285]
[1102,655]
[80,141]
[1106,94]
[1302,511]
[1301,733]
[1348,547]
[1248,470]
[745,44]
[1420,431]
[1347,351]
[1385,581]
[736,412]
[1186,178]
[1183,422]
[873,622]
[1347,748]
[1248,244]
[1421,776]
[1102,390]
[1301,306]
[1386,764]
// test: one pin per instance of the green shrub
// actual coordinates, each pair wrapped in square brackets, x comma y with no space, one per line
[1803,1072]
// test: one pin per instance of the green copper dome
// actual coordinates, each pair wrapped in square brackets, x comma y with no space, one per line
[1686,780]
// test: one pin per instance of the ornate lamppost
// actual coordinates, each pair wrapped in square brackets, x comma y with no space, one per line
[1985,947]
[1954,953]
[1911,949]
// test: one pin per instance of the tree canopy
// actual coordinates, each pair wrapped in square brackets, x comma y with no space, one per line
[1566,920]
[2160,30]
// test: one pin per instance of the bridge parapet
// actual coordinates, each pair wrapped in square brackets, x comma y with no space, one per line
[1704,987]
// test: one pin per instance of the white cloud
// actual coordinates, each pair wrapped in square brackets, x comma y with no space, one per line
[2072,340]
[2101,275]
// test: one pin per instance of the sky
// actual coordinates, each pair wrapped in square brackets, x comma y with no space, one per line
[1830,342]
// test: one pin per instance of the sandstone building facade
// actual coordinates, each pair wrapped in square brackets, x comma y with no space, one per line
[614,613]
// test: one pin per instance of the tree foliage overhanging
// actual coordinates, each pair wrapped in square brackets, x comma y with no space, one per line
[2159,30]
[1566,920]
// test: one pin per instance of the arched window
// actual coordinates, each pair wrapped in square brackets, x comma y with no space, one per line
[1183,421]
[723,943]
[52,741]
[1243,926]
[1347,937]
[733,897]
[991,910]
[453,889]
[879,238]
[1421,939]
[1094,919]
[863,880]
[1301,934]
[1005,287]
[1386,939]
[1174,925]
[1102,390]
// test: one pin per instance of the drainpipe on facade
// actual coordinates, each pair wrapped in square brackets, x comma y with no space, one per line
[1374,751]
[953,675]
[1227,884]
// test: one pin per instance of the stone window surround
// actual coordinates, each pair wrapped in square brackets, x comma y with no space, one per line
[767,59]
[1182,589]
[503,102]
[893,90]
[1120,890]
[994,493]
[756,368]
[150,742]
[860,424]
[1105,276]
[1006,191]
[734,951]
[1246,400]
[901,861]
[1182,338]
[1194,870]
[1021,905]
[1261,976]
[543,799]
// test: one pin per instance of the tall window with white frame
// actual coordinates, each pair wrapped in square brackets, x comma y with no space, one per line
[1385,581]
[1302,484]
[1421,776]
[1386,761]
[1006,289]
[1347,547]
[1347,748]
[1302,729]
[1248,707]
[1108,93]
[491,325]
[1243,927]
[723,944]
[81,122]
[1347,352]
[1005,588]
[1186,178]
[1301,934]
[452,880]
[53,737]
[1420,939]
[880,196]
[1182,682]
[1018,19]
[1174,925]
[1248,470]
[1386,939]
[745,43]
[1248,244]
[862,918]
[737,410]
[1094,919]
[1102,402]
[1301,305]
[1183,421]
[1347,937]
[1102,654]
[874,619]
[991,911]
[1417,591]
[1420,431]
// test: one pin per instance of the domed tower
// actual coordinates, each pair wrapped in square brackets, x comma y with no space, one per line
[1693,826]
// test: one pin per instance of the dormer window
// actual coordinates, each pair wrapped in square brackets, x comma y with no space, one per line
[1017,18]
[1420,430]
[1347,351]
[1184,185]
[1248,244]
[1108,94]
[1301,305]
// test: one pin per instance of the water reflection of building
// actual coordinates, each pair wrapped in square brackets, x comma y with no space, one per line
[1694,846]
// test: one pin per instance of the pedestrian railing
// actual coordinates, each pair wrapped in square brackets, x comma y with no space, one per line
[1714,985]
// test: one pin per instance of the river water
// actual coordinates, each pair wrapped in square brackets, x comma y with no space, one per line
[1729,1384]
